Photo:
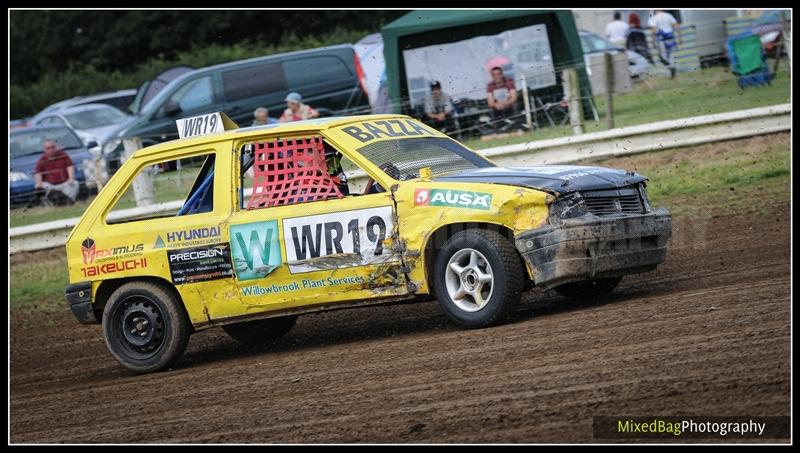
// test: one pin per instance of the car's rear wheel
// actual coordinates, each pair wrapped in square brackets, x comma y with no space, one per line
[589,289]
[146,328]
[478,278]
[262,331]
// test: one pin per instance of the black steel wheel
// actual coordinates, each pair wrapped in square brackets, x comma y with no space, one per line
[146,328]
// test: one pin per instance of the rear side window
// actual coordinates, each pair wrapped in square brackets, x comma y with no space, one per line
[253,81]
[52,121]
[190,179]
[194,94]
[302,72]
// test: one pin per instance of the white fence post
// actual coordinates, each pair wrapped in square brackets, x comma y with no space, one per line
[527,103]
[572,90]
[143,184]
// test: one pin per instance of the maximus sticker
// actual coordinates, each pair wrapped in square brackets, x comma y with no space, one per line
[454,198]
[200,264]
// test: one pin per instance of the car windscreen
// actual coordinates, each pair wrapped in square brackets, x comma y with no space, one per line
[403,158]
[593,43]
[26,143]
[98,117]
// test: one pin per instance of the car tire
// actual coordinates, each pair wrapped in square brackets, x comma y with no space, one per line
[262,331]
[478,278]
[146,328]
[588,289]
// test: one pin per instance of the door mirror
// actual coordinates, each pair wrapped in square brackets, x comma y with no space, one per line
[172,108]
[91,144]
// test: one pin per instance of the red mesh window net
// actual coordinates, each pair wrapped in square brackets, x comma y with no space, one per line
[290,171]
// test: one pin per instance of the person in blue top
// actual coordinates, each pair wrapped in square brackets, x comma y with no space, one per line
[664,27]
[261,117]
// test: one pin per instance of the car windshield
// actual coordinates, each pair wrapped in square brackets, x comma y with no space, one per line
[593,43]
[26,143]
[403,158]
[96,117]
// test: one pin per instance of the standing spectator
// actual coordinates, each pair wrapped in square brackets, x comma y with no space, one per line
[55,171]
[296,110]
[617,31]
[382,103]
[637,40]
[261,117]
[501,95]
[439,108]
[662,24]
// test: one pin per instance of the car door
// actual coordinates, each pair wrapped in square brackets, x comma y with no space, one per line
[190,249]
[316,246]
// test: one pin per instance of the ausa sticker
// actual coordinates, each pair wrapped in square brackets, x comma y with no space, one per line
[453,198]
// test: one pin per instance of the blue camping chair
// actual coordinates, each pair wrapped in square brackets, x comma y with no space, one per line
[748,60]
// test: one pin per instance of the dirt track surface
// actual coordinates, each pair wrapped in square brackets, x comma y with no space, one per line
[706,334]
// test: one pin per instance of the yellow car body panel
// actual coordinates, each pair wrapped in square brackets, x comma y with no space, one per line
[404,219]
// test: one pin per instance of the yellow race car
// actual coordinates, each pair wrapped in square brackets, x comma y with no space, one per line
[288,219]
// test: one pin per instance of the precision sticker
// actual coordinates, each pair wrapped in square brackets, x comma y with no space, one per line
[200,264]
[338,240]
[256,249]
[453,198]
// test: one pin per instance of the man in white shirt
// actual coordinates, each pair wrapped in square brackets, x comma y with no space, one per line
[617,31]
[662,23]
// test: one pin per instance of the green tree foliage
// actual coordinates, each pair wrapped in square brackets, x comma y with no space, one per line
[56,55]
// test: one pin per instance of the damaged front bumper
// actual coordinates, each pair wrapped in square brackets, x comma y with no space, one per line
[590,247]
[79,299]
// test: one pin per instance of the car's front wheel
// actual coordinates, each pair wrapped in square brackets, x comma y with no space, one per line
[145,326]
[478,278]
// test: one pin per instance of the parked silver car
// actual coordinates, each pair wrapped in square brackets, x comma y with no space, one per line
[92,122]
[120,99]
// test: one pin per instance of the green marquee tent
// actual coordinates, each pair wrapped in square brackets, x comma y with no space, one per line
[430,27]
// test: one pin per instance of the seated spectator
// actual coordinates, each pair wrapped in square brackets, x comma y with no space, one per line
[296,110]
[438,109]
[55,172]
[261,117]
[501,94]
